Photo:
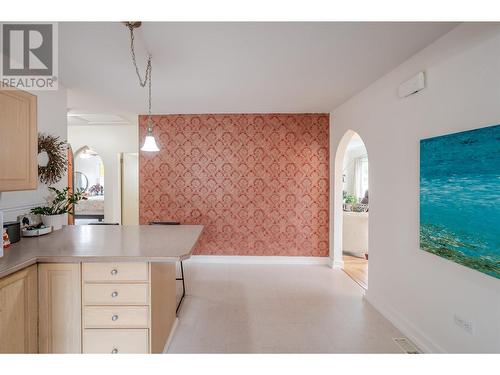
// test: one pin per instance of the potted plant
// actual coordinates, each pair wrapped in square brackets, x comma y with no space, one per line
[55,214]
[349,200]
[96,189]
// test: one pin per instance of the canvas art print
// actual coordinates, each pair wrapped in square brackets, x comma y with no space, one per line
[460,198]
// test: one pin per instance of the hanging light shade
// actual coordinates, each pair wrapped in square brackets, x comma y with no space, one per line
[150,142]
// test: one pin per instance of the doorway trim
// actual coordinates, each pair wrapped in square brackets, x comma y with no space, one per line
[337,200]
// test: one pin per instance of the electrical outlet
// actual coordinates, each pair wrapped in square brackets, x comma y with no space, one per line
[465,324]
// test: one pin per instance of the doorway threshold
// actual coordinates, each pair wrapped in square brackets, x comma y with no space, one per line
[357,269]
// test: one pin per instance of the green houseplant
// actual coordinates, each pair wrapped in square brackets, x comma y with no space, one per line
[55,213]
[349,200]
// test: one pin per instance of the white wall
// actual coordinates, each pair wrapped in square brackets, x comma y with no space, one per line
[108,141]
[418,291]
[52,120]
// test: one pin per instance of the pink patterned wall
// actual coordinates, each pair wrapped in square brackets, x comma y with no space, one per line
[257,182]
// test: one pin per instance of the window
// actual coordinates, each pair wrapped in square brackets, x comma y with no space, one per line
[361,177]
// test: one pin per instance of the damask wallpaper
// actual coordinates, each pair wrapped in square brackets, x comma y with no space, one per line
[259,183]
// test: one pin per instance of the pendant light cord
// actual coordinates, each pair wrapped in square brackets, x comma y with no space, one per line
[147,75]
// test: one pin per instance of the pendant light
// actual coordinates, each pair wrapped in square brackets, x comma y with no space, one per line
[149,144]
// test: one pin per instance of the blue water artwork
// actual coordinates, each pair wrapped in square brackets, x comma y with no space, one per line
[460,198]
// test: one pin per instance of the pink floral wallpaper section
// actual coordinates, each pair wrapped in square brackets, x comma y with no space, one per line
[259,183]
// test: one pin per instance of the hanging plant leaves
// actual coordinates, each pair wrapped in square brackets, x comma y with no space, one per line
[57,164]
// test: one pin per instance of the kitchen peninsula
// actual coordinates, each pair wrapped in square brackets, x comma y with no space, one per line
[92,289]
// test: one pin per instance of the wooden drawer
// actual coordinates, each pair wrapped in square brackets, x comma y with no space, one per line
[115,294]
[116,341]
[115,317]
[109,272]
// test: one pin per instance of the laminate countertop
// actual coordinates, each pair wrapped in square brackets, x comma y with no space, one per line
[103,243]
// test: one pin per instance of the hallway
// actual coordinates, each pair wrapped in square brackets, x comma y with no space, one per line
[245,308]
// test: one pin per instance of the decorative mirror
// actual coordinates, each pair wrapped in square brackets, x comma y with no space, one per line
[81,181]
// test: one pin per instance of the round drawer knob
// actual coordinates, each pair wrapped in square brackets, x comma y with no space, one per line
[114,271]
[114,318]
[114,294]
[114,351]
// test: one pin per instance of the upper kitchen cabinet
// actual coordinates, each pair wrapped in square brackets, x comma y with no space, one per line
[18,140]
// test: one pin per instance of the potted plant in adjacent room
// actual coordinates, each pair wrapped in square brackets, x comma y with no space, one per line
[55,214]
[96,189]
[349,200]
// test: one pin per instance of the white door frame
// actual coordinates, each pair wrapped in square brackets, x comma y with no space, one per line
[336,202]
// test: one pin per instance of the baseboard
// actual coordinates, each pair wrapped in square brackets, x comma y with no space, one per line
[171,335]
[425,344]
[337,263]
[243,259]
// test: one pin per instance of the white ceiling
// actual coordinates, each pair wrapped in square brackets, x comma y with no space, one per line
[96,118]
[233,67]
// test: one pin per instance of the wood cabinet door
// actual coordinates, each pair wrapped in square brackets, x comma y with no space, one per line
[163,304]
[19,312]
[59,289]
[18,140]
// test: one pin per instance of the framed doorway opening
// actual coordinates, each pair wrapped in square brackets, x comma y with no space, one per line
[351,208]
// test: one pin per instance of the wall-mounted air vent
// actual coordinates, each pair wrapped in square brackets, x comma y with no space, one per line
[412,86]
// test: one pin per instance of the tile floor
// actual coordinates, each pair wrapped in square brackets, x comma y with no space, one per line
[235,308]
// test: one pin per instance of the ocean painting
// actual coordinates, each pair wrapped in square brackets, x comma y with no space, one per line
[460,198]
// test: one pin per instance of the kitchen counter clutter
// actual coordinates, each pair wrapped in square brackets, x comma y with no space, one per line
[92,289]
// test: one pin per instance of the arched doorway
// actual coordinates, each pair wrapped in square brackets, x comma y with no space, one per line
[88,176]
[351,208]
